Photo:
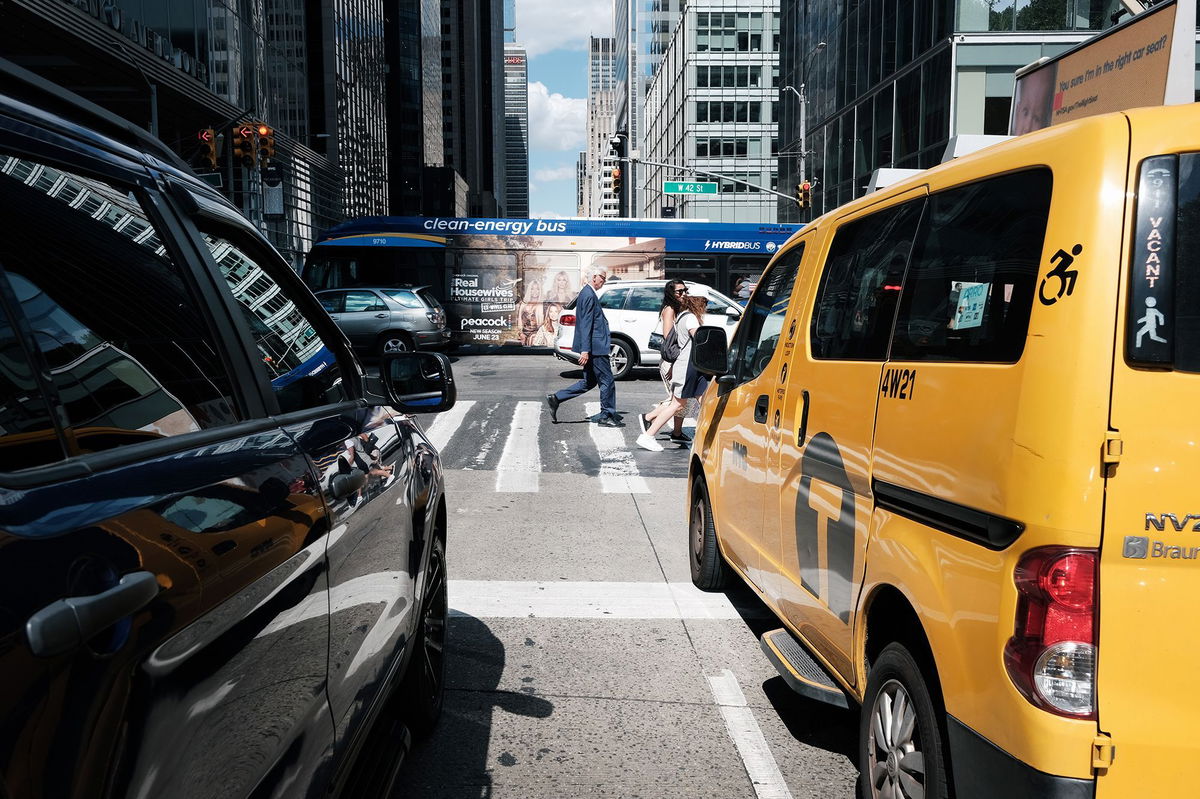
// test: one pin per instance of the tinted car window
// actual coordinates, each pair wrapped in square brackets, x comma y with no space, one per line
[303,371]
[27,434]
[758,335]
[969,289]
[363,301]
[852,318]
[128,347]
[333,302]
[645,298]
[613,299]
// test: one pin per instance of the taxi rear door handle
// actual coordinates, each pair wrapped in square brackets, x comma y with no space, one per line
[760,408]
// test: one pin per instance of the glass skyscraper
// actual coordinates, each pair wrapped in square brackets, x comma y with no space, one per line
[896,79]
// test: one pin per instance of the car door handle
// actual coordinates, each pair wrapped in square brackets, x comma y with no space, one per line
[803,431]
[760,408]
[64,625]
[381,316]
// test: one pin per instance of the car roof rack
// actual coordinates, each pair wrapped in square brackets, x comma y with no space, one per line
[24,86]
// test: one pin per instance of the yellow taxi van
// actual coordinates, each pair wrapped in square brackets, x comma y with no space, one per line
[953,446]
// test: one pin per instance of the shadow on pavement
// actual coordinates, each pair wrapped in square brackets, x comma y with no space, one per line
[810,722]
[453,762]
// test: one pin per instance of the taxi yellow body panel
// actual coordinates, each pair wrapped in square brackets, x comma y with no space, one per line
[1020,440]
[1149,638]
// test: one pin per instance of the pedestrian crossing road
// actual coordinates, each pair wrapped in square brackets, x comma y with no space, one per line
[516,439]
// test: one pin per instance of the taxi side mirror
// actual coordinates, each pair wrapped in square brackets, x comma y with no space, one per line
[710,350]
[418,382]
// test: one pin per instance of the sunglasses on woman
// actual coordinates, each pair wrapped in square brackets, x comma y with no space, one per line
[681,291]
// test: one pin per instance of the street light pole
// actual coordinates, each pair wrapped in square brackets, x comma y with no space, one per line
[803,97]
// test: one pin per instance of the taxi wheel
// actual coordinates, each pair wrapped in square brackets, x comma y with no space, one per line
[620,357]
[709,570]
[425,682]
[900,743]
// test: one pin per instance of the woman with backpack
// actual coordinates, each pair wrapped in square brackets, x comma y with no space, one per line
[685,382]
[672,305]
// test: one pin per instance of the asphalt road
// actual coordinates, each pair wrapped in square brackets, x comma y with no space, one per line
[581,660]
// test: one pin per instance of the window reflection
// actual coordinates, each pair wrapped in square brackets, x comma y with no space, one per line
[129,351]
[302,370]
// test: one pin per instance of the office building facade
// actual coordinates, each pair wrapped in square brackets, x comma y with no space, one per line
[179,68]
[473,100]
[642,30]
[713,106]
[597,198]
[895,81]
[516,131]
[414,100]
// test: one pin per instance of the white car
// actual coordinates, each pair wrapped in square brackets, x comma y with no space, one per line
[631,307]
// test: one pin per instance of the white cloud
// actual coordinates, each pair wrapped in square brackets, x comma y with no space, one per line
[546,25]
[558,173]
[556,122]
[547,215]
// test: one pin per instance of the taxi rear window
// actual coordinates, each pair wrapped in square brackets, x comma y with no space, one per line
[1163,312]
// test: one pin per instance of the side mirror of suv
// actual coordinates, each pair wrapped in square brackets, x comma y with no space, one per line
[710,350]
[418,382]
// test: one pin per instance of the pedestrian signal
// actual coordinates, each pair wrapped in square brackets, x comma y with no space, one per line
[208,137]
[266,144]
[243,146]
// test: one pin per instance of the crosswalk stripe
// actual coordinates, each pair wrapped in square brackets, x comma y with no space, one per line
[618,470]
[747,736]
[521,462]
[560,599]
[446,424]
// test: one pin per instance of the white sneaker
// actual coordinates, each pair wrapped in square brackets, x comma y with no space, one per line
[645,441]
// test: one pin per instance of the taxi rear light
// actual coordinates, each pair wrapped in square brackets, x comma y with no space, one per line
[567,319]
[1051,657]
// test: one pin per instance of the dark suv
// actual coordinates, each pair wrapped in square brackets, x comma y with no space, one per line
[380,321]
[222,545]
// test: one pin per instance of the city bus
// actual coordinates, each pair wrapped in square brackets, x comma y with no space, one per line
[503,281]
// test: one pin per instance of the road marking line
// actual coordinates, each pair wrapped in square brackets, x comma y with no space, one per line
[447,424]
[756,756]
[521,462]
[503,599]
[618,469]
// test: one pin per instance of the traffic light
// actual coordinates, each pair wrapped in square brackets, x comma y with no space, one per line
[616,180]
[208,138]
[243,146]
[804,194]
[266,144]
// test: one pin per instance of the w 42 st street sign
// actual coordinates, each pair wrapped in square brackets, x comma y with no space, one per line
[701,187]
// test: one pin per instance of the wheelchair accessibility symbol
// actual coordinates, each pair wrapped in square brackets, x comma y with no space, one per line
[1063,273]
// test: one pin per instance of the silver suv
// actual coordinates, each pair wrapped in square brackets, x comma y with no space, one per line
[379,321]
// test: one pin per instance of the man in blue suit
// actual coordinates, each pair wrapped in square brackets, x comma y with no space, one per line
[593,343]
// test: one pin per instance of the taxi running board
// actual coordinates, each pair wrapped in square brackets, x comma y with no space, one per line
[800,670]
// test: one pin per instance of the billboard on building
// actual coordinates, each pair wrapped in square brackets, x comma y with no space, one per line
[1147,60]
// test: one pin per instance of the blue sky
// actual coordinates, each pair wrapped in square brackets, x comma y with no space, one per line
[555,32]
